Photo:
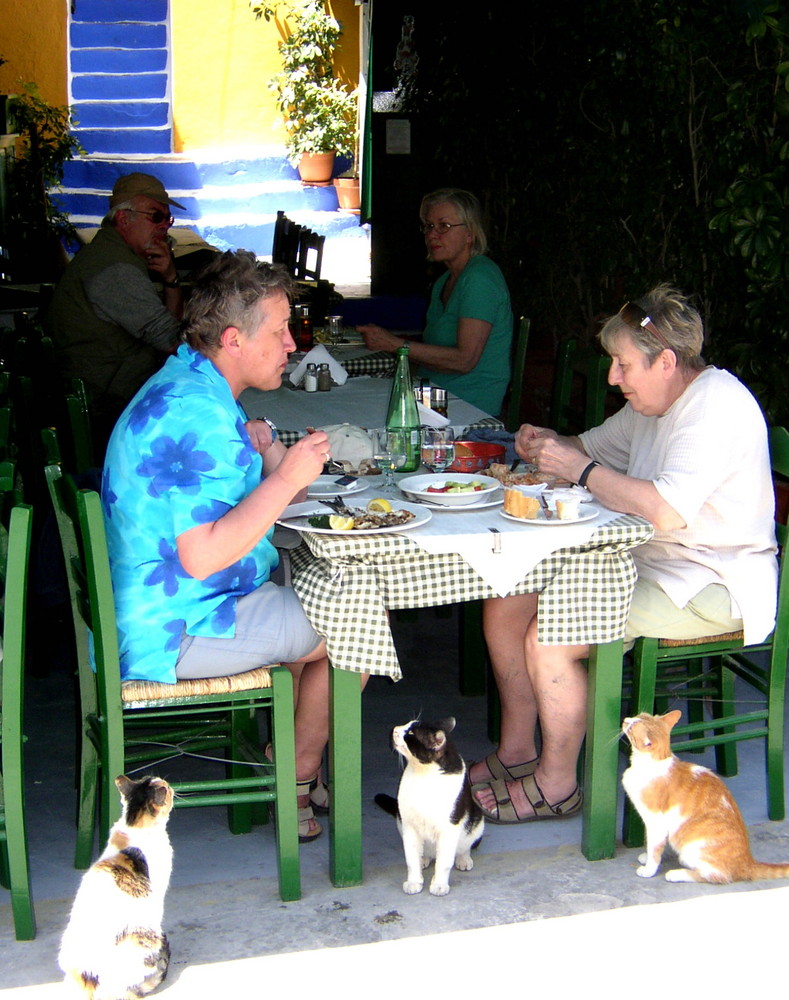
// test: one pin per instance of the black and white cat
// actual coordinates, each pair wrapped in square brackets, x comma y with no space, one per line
[114,947]
[437,814]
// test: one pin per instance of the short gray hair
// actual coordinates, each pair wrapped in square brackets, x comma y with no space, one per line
[110,218]
[231,291]
[468,208]
[676,319]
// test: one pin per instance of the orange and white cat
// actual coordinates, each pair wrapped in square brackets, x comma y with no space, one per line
[688,807]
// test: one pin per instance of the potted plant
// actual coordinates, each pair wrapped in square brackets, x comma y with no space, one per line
[34,225]
[319,111]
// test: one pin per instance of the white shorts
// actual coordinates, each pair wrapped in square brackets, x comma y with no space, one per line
[271,627]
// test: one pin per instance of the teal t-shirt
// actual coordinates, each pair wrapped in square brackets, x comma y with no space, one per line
[480,293]
[179,456]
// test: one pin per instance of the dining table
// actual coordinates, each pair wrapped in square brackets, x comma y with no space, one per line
[361,401]
[348,582]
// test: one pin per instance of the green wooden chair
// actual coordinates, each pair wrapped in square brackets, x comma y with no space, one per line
[720,661]
[576,362]
[14,872]
[78,419]
[512,414]
[125,726]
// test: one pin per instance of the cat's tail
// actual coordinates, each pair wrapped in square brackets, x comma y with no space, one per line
[763,869]
[389,805]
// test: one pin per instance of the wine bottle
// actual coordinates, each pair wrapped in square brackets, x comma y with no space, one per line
[402,413]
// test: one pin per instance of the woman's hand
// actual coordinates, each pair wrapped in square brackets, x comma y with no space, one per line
[563,458]
[378,339]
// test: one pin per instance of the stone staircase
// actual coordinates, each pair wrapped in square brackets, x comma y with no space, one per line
[231,202]
[120,93]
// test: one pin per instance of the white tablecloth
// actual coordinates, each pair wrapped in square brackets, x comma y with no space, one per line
[362,401]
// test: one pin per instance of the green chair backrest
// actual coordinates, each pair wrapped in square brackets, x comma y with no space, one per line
[586,363]
[512,417]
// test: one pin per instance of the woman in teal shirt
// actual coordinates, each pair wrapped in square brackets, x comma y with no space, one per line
[467,342]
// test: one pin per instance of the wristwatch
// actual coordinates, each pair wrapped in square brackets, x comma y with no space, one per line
[585,474]
[172,284]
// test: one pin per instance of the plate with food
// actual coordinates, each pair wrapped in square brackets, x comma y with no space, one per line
[450,489]
[336,485]
[373,520]
[528,509]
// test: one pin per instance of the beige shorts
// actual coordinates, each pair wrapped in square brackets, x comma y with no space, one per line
[653,613]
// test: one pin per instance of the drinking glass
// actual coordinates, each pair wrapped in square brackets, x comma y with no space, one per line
[389,452]
[438,448]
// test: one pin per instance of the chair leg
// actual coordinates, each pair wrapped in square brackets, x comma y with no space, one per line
[644,684]
[87,794]
[723,705]
[345,758]
[239,815]
[286,812]
[776,808]
[601,763]
[14,850]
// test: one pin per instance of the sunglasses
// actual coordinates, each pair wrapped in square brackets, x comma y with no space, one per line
[635,317]
[156,216]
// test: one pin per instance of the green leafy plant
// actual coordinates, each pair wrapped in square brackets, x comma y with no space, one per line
[35,224]
[319,111]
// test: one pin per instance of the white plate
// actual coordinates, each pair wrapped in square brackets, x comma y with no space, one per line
[495,499]
[586,512]
[418,486]
[297,514]
[326,486]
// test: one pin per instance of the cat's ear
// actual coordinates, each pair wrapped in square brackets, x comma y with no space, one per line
[448,724]
[672,718]
[124,785]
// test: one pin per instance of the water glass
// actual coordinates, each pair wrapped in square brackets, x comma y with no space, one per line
[438,448]
[389,452]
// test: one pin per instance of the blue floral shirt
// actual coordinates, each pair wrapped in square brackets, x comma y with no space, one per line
[179,456]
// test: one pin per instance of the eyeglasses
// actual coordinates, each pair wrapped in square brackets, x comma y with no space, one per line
[157,217]
[439,227]
[635,316]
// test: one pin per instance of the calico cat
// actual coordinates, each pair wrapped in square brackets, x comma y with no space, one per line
[437,815]
[688,807]
[114,947]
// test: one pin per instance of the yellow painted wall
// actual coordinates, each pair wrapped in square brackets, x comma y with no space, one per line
[222,61]
[33,41]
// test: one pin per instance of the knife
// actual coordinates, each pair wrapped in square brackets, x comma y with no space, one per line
[545,508]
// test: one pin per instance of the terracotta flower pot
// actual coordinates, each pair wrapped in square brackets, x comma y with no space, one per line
[316,168]
[348,193]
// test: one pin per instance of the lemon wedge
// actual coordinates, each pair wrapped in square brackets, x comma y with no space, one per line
[379,506]
[339,522]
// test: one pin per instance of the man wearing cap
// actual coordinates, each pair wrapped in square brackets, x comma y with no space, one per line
[110,327]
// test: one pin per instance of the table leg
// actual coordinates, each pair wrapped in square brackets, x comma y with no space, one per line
[345,756]
[601,765]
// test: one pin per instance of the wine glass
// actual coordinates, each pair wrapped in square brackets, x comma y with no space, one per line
[438,448]
[389,452]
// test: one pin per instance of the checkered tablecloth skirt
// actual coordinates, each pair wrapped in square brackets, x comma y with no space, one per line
[346,585]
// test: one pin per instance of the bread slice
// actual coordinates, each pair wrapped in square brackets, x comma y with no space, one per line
[520,505]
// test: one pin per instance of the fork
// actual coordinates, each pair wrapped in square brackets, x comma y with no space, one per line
[337,506]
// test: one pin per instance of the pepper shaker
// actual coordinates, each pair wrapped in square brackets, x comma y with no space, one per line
[324,378]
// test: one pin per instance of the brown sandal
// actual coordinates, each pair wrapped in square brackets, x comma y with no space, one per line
[309,827]
[505,811]
[502,773]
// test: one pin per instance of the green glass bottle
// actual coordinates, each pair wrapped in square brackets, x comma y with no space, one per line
[402,413]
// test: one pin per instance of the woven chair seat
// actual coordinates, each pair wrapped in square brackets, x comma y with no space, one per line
[260,677]
[723,637]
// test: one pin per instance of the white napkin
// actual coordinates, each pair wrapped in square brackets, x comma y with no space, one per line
[319,356]
[429,418]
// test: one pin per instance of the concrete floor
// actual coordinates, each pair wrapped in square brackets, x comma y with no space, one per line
[529,884]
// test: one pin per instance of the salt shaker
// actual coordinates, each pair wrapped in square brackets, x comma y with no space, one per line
[311,378]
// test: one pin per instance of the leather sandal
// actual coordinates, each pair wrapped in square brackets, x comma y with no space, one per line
[309,827]
[505,813]
[502,773]
[319,795]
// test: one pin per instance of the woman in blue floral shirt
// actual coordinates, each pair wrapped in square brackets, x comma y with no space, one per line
[191,491]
